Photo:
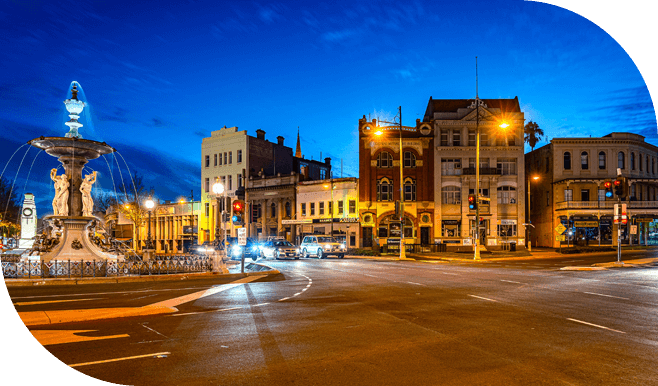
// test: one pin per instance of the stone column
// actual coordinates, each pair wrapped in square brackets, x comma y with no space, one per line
[279,212]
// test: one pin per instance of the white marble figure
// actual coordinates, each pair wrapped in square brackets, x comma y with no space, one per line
[87,201]
[61,200]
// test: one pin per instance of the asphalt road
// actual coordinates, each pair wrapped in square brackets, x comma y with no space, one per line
[366,322]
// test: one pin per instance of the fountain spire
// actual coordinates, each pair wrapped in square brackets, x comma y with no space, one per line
[74,106]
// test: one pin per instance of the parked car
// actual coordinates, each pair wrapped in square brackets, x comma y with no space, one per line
[279,249]
[321,246]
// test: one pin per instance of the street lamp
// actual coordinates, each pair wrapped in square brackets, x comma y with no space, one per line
[218,189]
[379,132]
[331,207]
[503,125]
[149,205]
[528,240]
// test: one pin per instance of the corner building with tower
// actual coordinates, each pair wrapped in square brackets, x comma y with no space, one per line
[571,190]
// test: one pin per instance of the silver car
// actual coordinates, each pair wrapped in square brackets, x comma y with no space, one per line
[322,246]
[279,249]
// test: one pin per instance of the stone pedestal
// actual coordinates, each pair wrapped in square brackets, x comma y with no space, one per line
[74,243]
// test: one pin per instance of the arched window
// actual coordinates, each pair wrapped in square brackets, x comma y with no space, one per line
[639,161]
[602,160]
[506,195]
[584,161]
[384,190]
[647,164]
[632,161]
[409,159]
[451,195]
[273,210]
[653,166]
[621,160]
[567,160]
[288,210]
[409,189]
[384,160]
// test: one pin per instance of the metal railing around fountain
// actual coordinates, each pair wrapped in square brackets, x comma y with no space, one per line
[106,268]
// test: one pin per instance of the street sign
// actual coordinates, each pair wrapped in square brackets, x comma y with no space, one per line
[560,238]
[560,228]
[242,236]
[633,229]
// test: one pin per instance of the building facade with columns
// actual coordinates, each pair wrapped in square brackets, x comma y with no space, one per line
[174,227]
[326,211]
[380,159]
[502,212]
[570,191]
[271,204]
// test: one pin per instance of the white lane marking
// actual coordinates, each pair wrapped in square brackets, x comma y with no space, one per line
[120,359]
[449,273]
[108,293]
[49,337]
[510,281]
[262,304]
[52,301]
[142,297]
[283,299]
[411,282]
[480,297]
[595,325]
[607,296]
[149,328]
[201,294]
[205,312]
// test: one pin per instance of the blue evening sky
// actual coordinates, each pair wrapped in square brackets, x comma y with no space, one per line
[160,76]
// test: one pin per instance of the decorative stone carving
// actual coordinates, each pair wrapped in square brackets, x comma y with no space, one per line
[85,189]
[61,200]
[76,244]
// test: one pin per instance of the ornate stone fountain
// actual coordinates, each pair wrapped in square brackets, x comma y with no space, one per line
[71,229]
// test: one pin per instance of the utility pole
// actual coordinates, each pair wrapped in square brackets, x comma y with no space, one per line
[477,166]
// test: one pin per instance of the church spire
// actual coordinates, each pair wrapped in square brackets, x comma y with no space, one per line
[298,152]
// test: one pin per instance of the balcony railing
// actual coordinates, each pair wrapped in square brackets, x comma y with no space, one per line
[603,204]
[483,171]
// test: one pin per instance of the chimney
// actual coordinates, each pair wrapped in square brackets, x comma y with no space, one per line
[260,134]
[327,161]
[279,139]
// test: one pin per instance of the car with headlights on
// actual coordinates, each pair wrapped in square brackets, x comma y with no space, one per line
[322,246]
[250,250]
[279,249]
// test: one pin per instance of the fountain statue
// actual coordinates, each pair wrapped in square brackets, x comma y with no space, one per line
[72,204]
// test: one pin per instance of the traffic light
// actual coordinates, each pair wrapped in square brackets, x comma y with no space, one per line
[472,202]
[608,189]
[238,212]
[621,187]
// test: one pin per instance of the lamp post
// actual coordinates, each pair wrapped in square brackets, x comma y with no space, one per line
[218,189]
[528,240]
[380,132]
[149,242]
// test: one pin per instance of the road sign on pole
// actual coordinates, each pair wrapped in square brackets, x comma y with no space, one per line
[242,236]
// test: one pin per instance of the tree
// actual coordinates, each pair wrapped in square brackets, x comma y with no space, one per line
[9,207]
[532,134]
[130,204]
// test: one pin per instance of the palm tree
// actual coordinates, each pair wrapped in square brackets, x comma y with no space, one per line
[532,134]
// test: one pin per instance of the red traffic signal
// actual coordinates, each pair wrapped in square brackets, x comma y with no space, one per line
[238,207]
[607,184]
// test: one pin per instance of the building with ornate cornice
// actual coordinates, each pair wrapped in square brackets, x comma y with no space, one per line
[379,184]
[502,211]
[569,190]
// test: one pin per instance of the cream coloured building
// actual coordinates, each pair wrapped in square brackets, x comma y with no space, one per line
[230,156]
[502,172]
[569,189]
[321,210]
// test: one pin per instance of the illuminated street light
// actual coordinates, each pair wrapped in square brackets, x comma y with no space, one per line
[527,236]
[150,204]
[218,189]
